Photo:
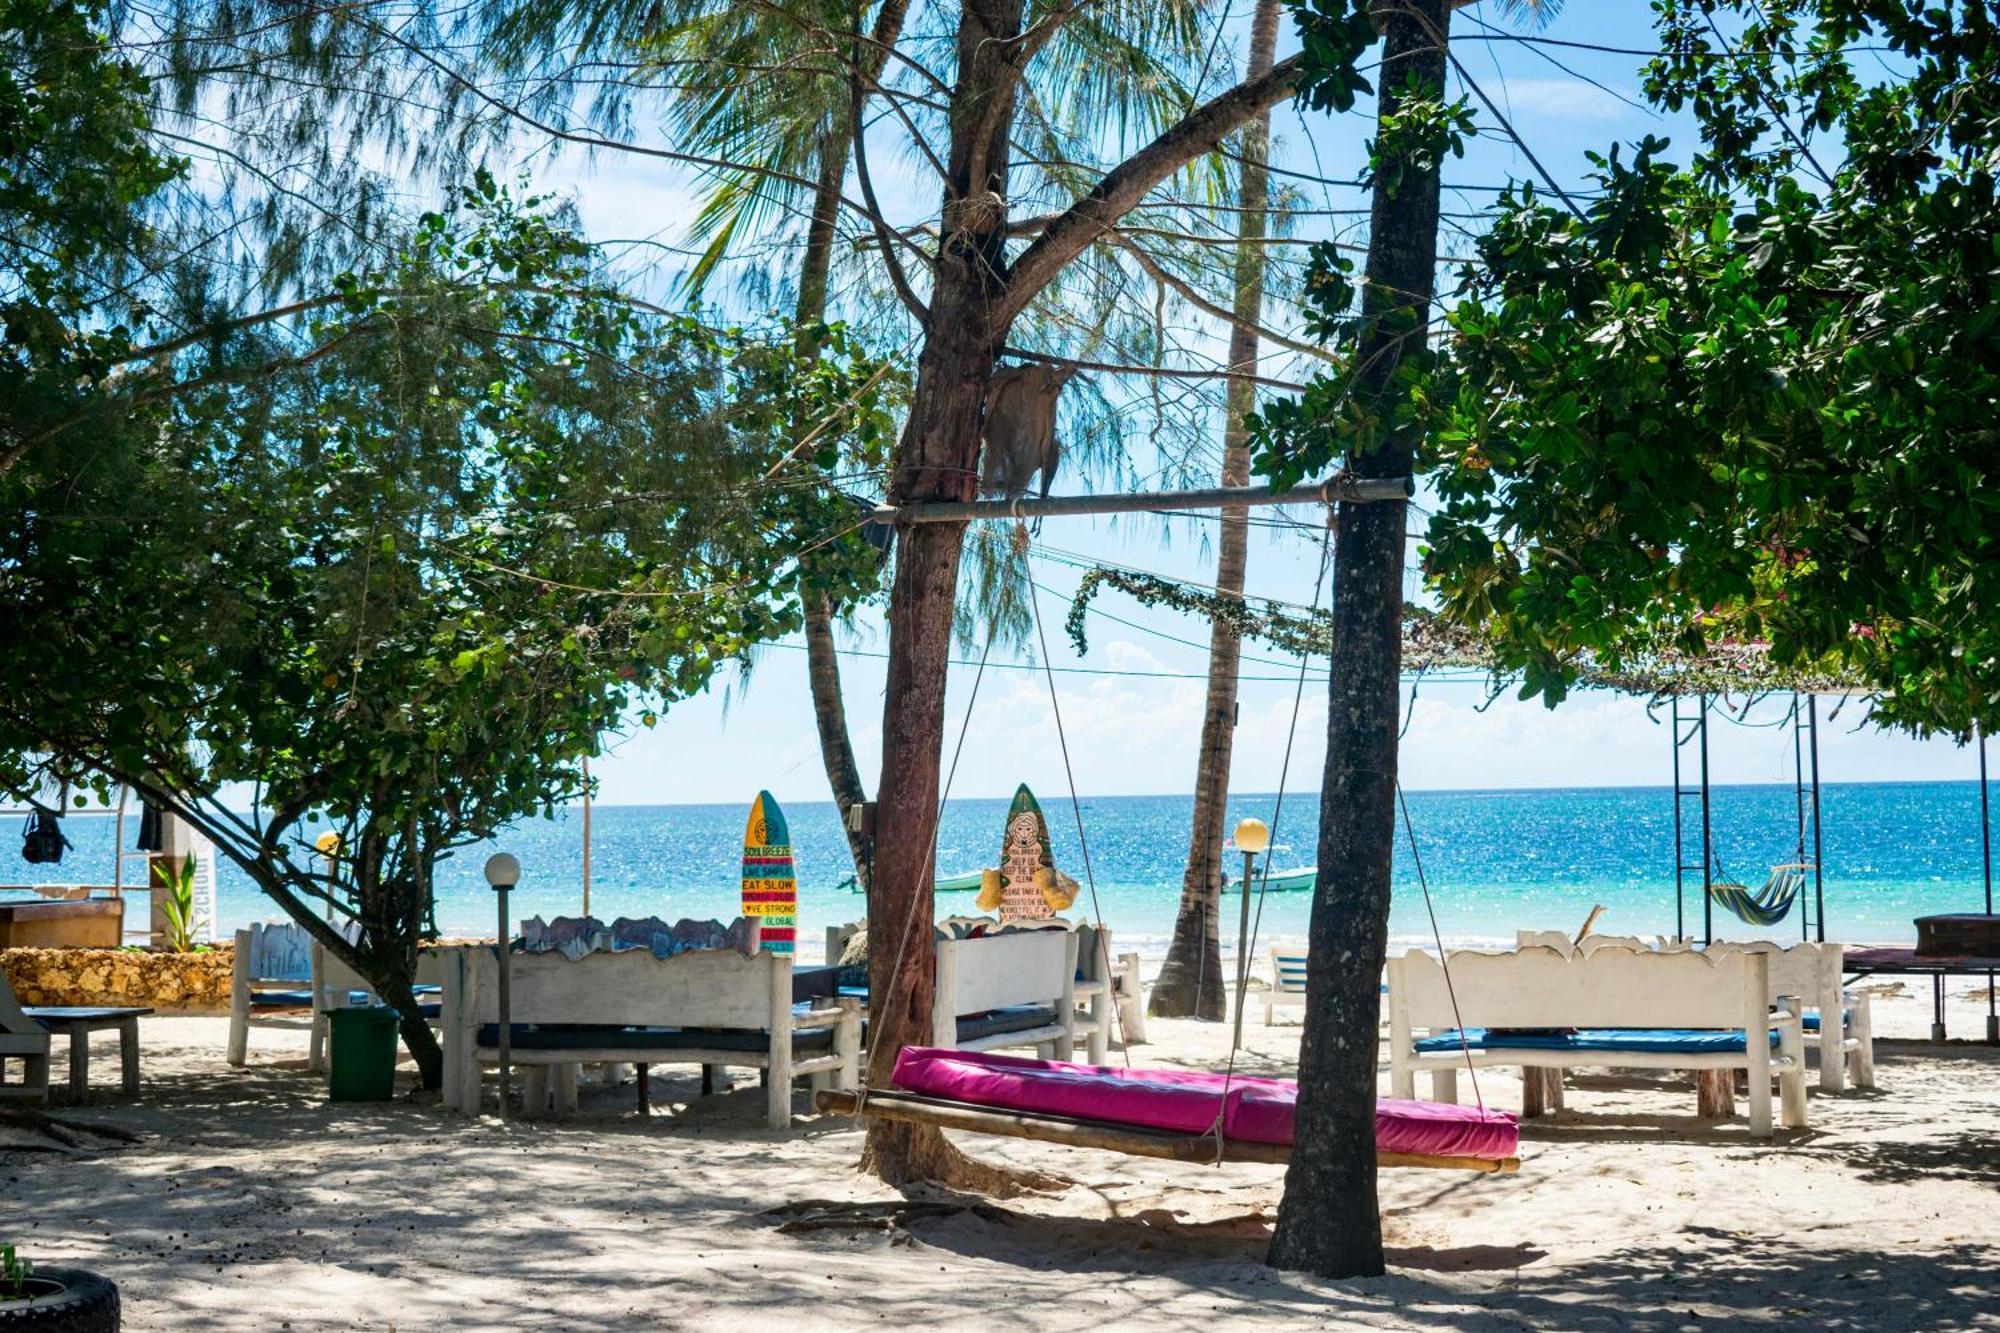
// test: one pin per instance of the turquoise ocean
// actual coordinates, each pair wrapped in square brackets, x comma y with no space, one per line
[1495,861]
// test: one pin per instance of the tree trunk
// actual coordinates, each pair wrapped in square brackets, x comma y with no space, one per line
[1329,1222]
[822,659]
[1191,982]
[836,751]
[938,459]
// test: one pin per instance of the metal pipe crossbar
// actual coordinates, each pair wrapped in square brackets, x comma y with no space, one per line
[1341,488]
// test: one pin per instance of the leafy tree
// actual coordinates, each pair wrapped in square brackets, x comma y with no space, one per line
[783,147]
[394,559]
[1752,399]
[76,166]
[1024,203]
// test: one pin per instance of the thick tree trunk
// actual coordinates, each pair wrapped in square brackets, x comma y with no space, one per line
[938,459]
[1191,981]
[1329,1222]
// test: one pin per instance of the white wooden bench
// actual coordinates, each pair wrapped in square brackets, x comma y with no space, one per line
[1288,982]
[708,1007]
[1610,990]
[280,967]
[1108,995]
[1810,971]
[1560,940]
[1839,1023]
[1011,995]
[1016,988]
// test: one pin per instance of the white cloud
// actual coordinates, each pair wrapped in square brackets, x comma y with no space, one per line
[1569,99]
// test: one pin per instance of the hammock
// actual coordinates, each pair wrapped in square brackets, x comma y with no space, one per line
[1177,1114]
[1768,905]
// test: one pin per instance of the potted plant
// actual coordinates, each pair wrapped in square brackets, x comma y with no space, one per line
[54,1300]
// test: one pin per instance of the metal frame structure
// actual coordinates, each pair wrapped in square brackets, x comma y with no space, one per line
[1693,730]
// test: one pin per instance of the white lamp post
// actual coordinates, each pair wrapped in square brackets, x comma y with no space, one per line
[503,872]
[1252,837]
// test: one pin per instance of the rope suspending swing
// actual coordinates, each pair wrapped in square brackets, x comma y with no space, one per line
[1213,1146]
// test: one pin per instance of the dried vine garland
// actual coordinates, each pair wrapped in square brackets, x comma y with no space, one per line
[1431,642]
[1428,640]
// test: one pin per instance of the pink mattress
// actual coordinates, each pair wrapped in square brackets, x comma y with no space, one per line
[1255,1110]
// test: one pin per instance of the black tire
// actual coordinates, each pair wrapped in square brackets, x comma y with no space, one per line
[88,1304]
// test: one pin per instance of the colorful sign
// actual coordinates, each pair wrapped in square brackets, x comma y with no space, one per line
[770,887]
[1028,886]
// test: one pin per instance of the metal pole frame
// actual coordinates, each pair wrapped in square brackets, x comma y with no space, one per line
[1243,947]
[1986,853]
[1819,857]
[506,998]
[1680,859]
[1707,846]
[1799,801]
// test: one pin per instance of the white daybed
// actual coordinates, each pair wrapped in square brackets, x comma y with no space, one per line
[704,1007]
[1631,1010]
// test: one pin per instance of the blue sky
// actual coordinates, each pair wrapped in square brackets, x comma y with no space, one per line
[1131,706]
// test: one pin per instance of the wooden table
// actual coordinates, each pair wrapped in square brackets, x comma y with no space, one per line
[77,1024]
[1870,962]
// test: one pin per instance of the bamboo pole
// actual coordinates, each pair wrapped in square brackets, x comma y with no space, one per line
[913,1109]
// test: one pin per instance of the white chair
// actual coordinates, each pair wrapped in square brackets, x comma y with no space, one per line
[24,1040]
[1288,983]
[272,970]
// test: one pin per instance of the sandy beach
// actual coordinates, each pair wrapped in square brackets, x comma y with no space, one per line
[253,1204]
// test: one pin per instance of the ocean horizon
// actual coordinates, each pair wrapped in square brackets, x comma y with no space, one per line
[1495,860]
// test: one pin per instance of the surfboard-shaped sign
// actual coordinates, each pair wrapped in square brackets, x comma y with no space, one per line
[770,885]
[1029,887]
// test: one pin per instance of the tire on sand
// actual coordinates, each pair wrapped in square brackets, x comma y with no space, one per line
[88,1303]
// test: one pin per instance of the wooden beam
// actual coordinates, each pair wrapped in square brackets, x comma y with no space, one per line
[1340,488]
[1102,1135]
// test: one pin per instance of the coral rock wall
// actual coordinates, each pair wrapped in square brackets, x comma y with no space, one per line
[168,981]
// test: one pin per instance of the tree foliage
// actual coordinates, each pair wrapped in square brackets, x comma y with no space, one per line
[396,558]
[76,166]
[1752,399]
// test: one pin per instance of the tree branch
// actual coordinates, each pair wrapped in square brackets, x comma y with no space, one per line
[1126,184]
[883,235]
[1157,372]
[1198,301]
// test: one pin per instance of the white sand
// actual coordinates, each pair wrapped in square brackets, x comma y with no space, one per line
[254,1205]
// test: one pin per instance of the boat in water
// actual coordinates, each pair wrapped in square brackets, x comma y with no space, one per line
[1299,879]
[966,883]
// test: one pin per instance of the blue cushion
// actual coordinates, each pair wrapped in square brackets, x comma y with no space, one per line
[1811,1020]
[1672,1041]
[584,1037]
[280,999]
[994,1022]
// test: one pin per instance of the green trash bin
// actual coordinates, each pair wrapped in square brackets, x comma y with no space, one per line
[364,1055]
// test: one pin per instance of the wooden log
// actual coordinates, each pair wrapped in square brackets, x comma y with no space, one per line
[1541,1091]
[913,1109]
[128,1055]
[1715,1093]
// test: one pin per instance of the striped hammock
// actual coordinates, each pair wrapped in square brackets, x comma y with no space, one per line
[1766,906]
